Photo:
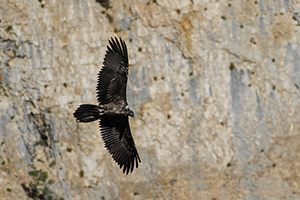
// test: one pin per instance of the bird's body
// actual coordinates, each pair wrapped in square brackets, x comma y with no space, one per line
[112,109]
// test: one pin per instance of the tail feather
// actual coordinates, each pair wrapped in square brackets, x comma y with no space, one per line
[87,113]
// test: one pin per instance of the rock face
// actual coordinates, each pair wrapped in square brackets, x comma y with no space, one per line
[214,86]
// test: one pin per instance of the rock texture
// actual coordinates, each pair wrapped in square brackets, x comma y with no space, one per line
[214,85]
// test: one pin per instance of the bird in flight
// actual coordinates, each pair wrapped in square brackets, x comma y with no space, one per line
[112,109]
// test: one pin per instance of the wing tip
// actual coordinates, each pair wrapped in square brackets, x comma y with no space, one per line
[132,162]
[127,163]
[118,46]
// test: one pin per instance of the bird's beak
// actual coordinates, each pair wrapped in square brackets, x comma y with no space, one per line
[133,116]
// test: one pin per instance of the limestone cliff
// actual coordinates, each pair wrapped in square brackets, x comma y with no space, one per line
[214,86]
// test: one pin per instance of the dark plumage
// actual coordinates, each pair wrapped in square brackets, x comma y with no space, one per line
[112,108]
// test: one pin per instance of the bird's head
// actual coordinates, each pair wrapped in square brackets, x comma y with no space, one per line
[129,112]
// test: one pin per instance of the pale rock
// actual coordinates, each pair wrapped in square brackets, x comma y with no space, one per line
[215,86]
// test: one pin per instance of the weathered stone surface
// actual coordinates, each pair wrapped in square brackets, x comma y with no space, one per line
[214,85]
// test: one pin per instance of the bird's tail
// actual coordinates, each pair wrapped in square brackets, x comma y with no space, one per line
[87,113]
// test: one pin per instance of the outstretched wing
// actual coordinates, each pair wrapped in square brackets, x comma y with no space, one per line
[112,78]
[119,142]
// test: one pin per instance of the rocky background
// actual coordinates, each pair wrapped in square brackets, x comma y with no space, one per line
[215,86]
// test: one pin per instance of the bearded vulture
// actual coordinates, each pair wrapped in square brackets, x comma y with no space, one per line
[112,109]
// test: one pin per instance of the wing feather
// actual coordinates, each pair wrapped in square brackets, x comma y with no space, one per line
[118,141]
[112,78]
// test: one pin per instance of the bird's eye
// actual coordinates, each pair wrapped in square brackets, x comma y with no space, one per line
[127,108]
